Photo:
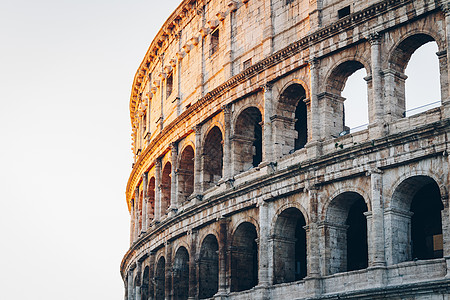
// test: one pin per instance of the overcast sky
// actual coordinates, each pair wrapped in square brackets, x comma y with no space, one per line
[66,70]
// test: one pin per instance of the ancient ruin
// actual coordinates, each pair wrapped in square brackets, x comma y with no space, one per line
[249,182]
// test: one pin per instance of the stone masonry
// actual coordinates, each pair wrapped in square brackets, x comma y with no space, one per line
[247,181]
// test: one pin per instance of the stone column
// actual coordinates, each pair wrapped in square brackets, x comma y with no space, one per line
[138,282]
[376,234]
[267,127]
[377,86]
[446,10]
[144,203]
[193,278]
[223,245]
[265,260]
[397,227]
[151,283]
[197,160]
[157,190]
[173,183]
[313,145]
[137,219]
[132,222]
[312,233]
[168,271]
[227,169]
[130,285]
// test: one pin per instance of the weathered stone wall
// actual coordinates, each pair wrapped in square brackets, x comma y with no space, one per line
[226,201]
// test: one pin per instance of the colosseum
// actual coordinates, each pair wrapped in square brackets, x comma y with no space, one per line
[248,182]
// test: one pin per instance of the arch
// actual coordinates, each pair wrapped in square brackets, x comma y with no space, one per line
[346,234]
[145,289]
[335,81]
[342,190]
[416,219]
[181,274]
[398,59]
[291,122]
[160,279]
[212,158]
[247,139]
[166,188]
[208,267]
[186,173]
[244,219]
[151,198]
[289,246]
[244,258]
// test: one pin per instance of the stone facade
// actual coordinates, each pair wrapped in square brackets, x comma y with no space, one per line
[248,183]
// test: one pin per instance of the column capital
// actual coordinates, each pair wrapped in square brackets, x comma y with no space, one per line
[313,63]
[374,38]
[173,146]
[226,108]
[374,171]
[197,128]
[158,163]
[266,87]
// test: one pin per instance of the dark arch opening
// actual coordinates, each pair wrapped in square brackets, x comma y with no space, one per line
[186,173]
[145,290]
[151,198]
[209,267]
[347,233]
[181,275]
[166,188]
[290,247]
[212,157]
[421,234]
[426,223]
[247,139]
[160,279]
[244,258]
[292,100]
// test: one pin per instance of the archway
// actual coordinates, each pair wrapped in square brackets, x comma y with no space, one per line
[346,236]
[151,198]
[417,220]
[181,274]
[209,267]
[291,125]
[247,140]
[289,246]
[337,110]
[166,188]
[145,290]
[402,104]
[186,173]
[160,279]
[244,258]
[212,158]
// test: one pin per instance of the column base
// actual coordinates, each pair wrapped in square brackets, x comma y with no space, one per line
[313,149]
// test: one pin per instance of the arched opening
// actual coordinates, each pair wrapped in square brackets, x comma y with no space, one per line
[247,140]
[209,267]
[417,220]
[145,290]
[346,236]
[342,116]
[166,188]
[186,173]
[422,70]
[289,247]
[212,158]
[412,69]
[160,279]
[356,106]
[151,198]
[181,274]
[141,213]
[244,258]
[291,125]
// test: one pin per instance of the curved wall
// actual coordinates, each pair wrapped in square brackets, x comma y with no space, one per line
[247,181]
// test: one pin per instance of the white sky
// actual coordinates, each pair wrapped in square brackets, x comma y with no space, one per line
[66,69]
